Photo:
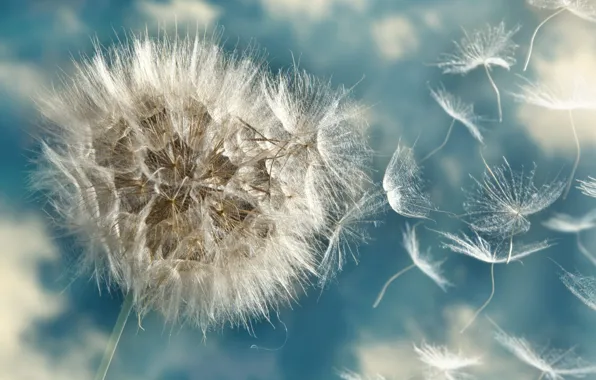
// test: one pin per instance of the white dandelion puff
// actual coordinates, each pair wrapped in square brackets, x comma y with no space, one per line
[444,364]
[489,47]
[588,187]
[575,225]
[540,95]
[584,9]
[199,183]
[421,260]
[403,184]
[459,111]
[481,249]
[500,204]
[553,364]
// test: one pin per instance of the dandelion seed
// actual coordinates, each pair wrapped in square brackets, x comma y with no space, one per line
[349,375]
[568,224]
[583,287]
[481,249]
[554,364]
[442,362]
[588,187]
[422,261]
[489,47]
[583,97]
[584,9]
[348,229]
[402,183]
[459,111]
[501,203]
[199,183]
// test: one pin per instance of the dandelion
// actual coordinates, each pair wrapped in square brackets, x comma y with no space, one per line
[588,187]
[402,183]
[501,203]
[568,224]
[583,9]
[421,260]
[583,97]
[200,184]
[444,363]
[459,111]
[489,47]
[554,364]
[481,249]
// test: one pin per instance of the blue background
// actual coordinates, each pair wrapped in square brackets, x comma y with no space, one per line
[51,328]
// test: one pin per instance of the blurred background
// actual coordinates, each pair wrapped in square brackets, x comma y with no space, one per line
[54,326]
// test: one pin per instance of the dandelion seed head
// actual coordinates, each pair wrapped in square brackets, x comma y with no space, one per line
[488,47]
[198,181]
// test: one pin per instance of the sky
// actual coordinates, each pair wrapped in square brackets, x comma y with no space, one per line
[54,325]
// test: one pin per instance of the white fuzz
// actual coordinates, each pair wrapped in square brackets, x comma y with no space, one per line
[585,9]
[554,364]
[444,364]
[501,203]
[491,46]
[423,260]
[588,187]
[458,110]
[201,184]
[403,184]
[481,249]
[569,224]
[349,375]
[583,287]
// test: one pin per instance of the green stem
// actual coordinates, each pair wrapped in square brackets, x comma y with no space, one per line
[115,337]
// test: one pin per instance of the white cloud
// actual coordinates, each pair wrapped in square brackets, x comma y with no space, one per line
[395,37]
[20,80]
[565,50]
[193,12]
[309,10]
[68,22]
[395,358]
[25,302]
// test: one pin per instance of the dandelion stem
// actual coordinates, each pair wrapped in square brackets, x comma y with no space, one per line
[492,293]
[536,32]
[382,293]
[492,82]
[510,247]
[442,145]
[582,248]
[115,337]
[577,154]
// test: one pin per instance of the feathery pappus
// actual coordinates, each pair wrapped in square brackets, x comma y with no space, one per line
[200,183]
